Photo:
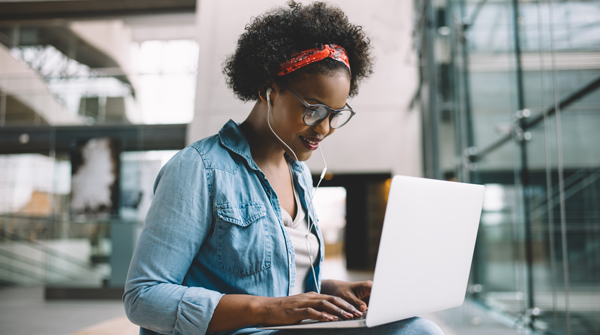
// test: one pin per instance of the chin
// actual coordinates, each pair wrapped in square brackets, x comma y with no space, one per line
[303,157]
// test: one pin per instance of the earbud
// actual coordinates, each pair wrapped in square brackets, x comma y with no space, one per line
[268,93]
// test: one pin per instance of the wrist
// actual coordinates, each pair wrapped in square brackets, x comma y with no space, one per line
[259,308]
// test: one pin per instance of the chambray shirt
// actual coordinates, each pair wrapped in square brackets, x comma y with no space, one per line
[214,228]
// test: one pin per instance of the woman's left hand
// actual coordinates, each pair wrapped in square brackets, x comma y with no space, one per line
[355,293]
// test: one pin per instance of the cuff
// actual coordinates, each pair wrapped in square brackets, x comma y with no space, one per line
[195,311]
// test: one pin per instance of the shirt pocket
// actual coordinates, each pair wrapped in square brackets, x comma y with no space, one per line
[243,241]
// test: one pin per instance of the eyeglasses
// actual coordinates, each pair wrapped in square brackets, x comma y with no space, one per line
[316,113]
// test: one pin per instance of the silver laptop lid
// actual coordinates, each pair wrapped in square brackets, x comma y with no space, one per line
[426,248]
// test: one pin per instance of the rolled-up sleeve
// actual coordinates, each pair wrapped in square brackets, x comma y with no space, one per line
[177,224]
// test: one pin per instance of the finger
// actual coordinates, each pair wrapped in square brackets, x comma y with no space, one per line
[368,285]
[363,292]
[326,304]
[366,300]
[311,313]
[334,305]
[331,317]
[360,305]
[349,310]
[363,289]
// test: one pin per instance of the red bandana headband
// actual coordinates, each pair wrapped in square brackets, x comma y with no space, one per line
[303,58]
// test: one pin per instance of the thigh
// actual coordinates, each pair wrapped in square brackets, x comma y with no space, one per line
[412,326]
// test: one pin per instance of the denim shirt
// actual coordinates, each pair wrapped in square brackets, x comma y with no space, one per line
[214,228]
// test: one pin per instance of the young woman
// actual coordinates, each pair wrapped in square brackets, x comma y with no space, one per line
[231,240]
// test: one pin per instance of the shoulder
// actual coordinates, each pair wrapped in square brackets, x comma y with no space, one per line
[198,159]
[210,153]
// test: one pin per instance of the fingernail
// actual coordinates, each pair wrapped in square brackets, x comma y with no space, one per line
[358,313]
[331,317]
[348,315]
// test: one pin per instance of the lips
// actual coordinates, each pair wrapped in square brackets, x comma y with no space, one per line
[312,143]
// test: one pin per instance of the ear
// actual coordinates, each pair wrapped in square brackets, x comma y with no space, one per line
[263,91]
[262,95]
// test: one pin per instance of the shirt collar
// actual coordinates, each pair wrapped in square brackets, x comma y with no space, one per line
[232,137]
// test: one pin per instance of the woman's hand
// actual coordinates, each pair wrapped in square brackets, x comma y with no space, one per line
[342,301]
[355,293]
[295,308]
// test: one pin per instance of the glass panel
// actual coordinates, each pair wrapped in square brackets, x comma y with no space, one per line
[538,253]
[43,241]
[581,163]
[70,212]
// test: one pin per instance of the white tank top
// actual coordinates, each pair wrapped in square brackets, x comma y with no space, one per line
[297,229]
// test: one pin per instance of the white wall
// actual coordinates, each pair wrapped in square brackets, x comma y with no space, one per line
[384,136]
[181,26]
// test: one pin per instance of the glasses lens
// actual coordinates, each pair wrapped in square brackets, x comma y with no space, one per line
[315,114]
[340,119]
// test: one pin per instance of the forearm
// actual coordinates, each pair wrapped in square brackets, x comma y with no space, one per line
[236,311]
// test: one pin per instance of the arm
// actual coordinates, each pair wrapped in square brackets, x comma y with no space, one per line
[266,311]
[177,223]
[176,226]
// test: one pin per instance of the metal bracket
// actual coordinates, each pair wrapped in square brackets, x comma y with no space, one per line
[519,134]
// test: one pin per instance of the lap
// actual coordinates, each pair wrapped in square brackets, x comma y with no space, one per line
[412,326]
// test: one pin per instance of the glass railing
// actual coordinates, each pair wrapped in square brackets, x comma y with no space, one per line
[516,100]
[45,235]
[55,251]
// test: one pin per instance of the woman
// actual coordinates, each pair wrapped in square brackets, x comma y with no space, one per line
[231,240]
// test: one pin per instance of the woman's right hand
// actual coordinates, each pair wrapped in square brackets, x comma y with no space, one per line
[295,308]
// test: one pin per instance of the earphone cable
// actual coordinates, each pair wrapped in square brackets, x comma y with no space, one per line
[310,204]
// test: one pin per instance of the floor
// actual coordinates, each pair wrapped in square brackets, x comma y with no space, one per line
[23,311]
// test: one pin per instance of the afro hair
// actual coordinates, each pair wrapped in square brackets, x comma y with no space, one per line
[270,40]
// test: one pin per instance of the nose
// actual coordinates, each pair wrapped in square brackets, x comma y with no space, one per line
[323,127]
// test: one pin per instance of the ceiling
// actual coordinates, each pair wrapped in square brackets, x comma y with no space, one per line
[18,11]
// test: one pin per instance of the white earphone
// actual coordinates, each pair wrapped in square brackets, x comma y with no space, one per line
[310,203]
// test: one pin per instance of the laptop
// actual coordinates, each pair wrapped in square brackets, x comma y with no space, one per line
[425,252]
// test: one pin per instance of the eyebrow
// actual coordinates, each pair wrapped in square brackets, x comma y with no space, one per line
[317,100]
[322,103]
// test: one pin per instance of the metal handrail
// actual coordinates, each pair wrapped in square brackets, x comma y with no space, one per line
[573,180]
[31,262]
[22,272]
[44,248]
[565,102]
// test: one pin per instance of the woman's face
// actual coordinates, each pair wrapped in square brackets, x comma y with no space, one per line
[287,111]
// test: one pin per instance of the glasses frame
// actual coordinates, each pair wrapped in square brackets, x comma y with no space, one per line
[329,111]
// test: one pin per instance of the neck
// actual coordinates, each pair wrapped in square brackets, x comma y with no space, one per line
[265,147]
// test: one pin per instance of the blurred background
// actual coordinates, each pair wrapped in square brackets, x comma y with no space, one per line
[95,96]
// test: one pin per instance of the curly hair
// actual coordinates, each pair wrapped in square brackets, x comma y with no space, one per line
[270,40]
